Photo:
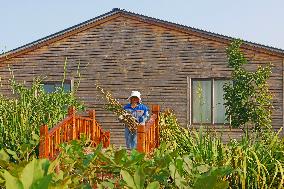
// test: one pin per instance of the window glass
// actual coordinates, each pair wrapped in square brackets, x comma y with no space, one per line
[201,101]
[50,87]
[66,87]
[219,109]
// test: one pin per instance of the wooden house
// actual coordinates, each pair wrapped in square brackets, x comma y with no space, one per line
[124,51]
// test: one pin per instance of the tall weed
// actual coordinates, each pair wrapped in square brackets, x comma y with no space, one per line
[22,116]
[257,162]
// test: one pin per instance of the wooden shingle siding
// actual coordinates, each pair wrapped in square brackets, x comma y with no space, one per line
[125,54]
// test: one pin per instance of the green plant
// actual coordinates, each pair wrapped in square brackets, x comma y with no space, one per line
[111,168]
[204,163]
[253,162]
[22,116]
[138,180]
[34,175]
[248,99]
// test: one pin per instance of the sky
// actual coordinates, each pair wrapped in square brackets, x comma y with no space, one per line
[258,21]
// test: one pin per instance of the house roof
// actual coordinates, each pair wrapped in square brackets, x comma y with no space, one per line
[114,13]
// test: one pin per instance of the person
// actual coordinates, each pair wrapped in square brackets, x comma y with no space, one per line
[140,112]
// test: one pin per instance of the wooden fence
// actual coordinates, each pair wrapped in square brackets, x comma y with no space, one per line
[69,129]
[148,135]
[74,125]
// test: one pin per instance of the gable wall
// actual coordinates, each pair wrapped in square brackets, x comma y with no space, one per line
[124,54]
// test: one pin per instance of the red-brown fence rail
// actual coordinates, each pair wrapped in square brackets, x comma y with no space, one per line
[148,135]
[69,129]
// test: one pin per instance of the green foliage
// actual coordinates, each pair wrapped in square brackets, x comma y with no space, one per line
[248,100]
[117,168]
[22,116]
[33,175]
[36,173]
[138,181]
[213,179]
[236,58]
[253,162]
[92,168]
[169,124]
[203,164]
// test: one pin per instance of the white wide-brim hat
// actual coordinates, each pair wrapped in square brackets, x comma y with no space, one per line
[136,94]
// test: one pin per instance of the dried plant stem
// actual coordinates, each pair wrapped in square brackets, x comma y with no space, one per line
[114,106]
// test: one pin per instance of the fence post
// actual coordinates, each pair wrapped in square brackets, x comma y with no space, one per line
[141,138]
[106,139]
[92,115]
[43,143]
[156,110]
[71,113]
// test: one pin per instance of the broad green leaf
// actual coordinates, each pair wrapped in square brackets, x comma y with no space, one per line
[179,181]
[12,153]
[187,165]
[210,182]
[53,165]
[3,155]
[203,168]
[1,181]
[139,178]
[205,182]
[128,179]
[153,185]
[106,184]
[222,171]
[12,182]
[86,186]
[133,161]
[221,184]
[42,183]
[58,176]
[34,171]
[118,156]
[179,164]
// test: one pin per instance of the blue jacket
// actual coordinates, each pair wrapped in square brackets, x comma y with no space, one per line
[140,112]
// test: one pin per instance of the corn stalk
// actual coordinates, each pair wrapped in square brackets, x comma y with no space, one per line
[21,116]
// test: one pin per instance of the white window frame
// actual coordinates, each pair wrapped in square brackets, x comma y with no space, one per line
[190,102]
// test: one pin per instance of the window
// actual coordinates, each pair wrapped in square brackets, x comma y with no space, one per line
[50,86]
[207,101]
